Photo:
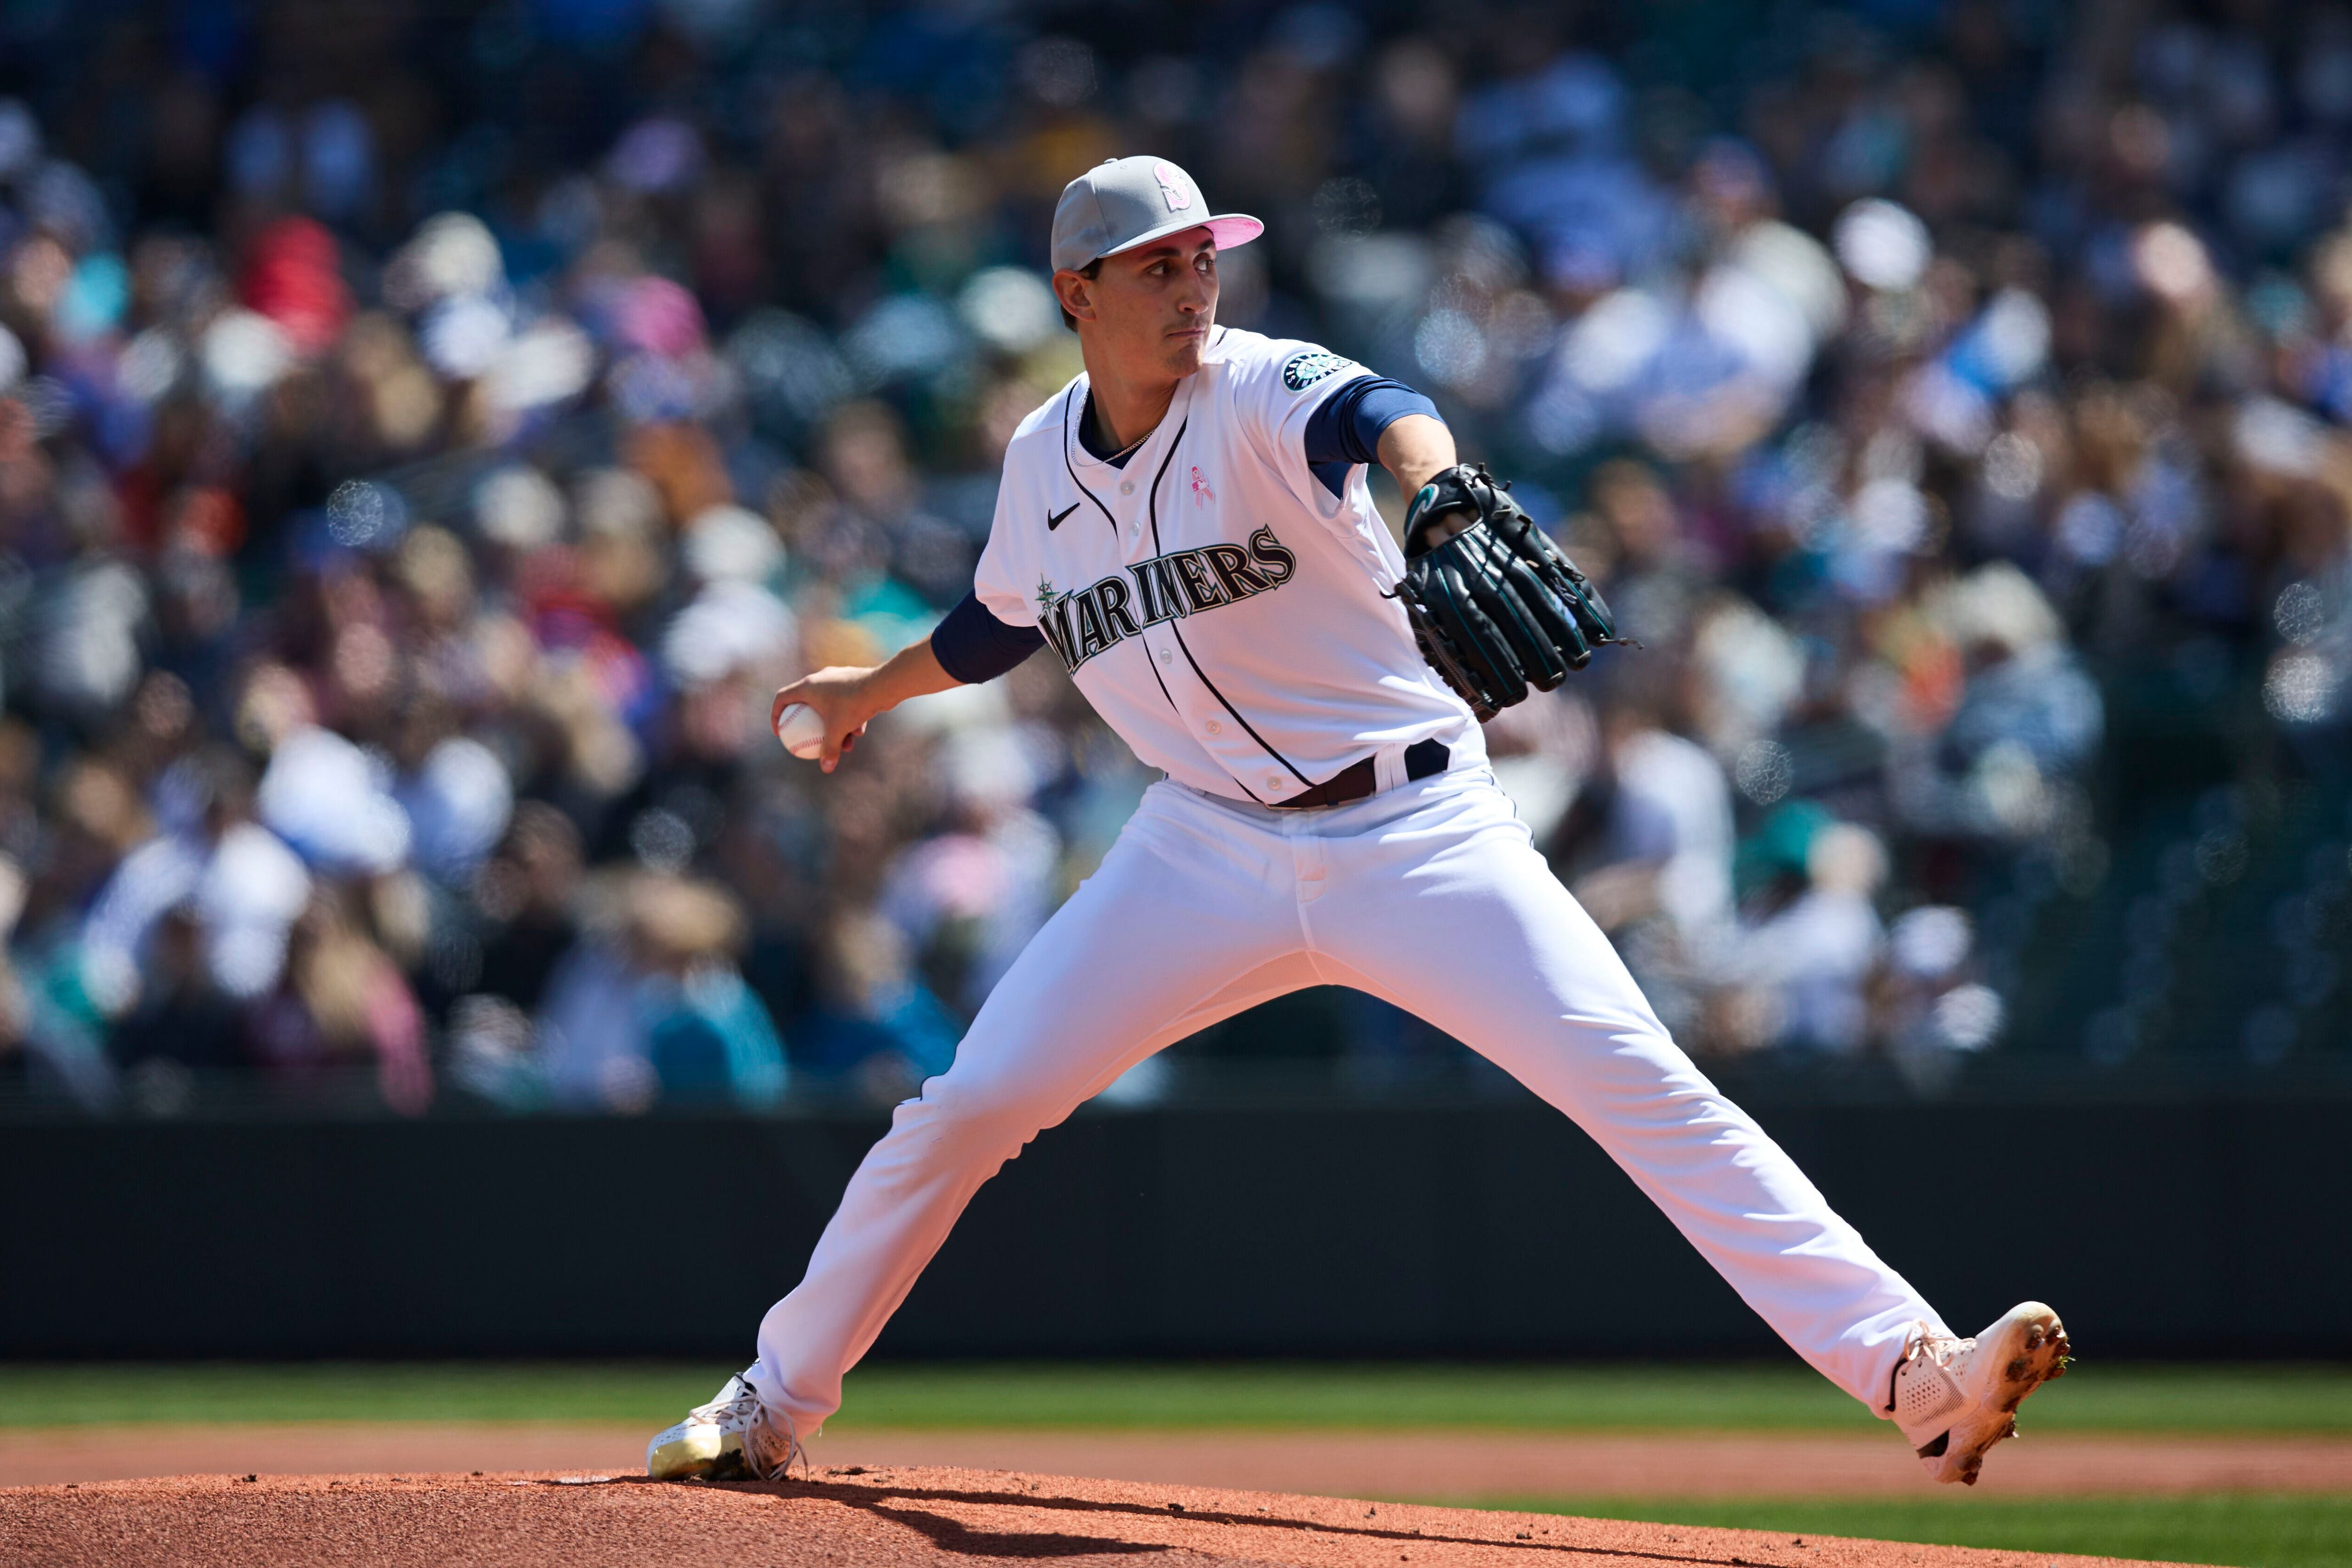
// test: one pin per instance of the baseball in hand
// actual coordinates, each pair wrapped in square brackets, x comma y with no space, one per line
[801,731]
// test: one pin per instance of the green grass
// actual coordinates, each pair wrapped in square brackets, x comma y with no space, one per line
[1162,1397]
[2249,1530]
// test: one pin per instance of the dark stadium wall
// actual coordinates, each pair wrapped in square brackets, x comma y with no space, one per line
[2192,1228]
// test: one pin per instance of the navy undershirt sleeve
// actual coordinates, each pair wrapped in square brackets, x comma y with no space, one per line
[1345,430]
[973,646]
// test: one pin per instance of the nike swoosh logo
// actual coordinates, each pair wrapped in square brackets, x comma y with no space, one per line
[1054,519]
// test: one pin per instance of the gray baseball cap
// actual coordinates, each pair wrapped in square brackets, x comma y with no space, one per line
[1122,202]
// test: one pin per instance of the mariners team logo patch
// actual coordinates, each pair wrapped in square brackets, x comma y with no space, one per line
[1304,370]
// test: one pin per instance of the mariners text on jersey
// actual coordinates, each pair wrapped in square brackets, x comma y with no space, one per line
[1081,624]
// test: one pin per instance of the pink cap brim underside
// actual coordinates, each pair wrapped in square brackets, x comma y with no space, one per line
[1228,229]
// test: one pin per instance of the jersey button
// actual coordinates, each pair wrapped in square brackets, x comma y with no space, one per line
[1167,655]
[1216,728]
[1273,782]
[1126,488]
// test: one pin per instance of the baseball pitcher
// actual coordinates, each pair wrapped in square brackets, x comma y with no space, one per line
[1187,528]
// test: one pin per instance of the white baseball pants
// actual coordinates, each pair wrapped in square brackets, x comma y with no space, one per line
[1430,895]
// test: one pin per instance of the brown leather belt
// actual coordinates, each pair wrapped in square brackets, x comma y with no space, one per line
[1359,779]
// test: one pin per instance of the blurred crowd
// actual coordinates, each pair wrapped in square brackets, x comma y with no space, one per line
[428,438]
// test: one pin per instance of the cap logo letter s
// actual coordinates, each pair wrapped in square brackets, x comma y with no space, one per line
[1171,187]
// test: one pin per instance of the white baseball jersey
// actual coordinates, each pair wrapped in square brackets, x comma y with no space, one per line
[1221,609]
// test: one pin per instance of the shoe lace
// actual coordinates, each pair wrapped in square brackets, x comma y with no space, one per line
[742,1404]
[1938,1349]
[763,1418]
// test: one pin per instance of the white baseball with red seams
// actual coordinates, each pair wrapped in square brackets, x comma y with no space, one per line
[1229,617]
[801,731]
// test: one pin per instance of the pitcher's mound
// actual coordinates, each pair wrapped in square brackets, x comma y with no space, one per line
[851,1518]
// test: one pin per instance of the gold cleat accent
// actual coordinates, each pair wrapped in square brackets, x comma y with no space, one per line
[707,1445]
[696,1451]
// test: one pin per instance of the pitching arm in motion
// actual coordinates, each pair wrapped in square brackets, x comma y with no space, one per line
[968,645]
[847,697]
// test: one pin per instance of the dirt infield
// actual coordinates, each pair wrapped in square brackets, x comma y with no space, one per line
[851,1519]
[1338,1463]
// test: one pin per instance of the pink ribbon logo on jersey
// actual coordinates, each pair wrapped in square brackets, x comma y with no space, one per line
[1171,187]
[1201,490]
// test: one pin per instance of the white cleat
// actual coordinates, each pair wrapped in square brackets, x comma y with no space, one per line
[1955,1398]
[731,1439]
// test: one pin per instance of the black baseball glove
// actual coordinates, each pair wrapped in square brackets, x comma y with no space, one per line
[1497,608]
